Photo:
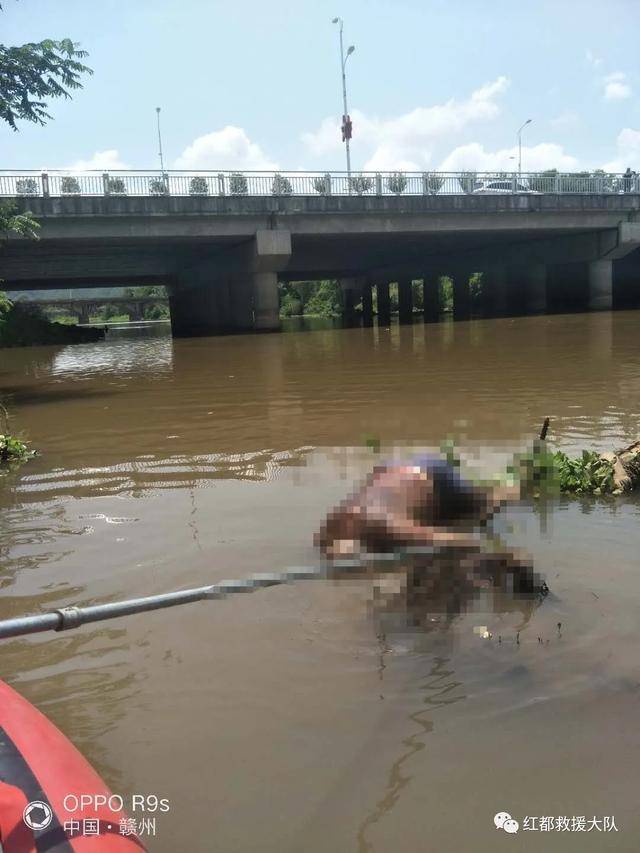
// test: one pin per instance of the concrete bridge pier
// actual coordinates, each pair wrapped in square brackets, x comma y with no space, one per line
[601,285]
[195,309]
[405,300]
[431,298]
[232,290]
[461,295]
[495,290]
[83,315]
[535,282]
[240,303]
[266,306]
[351,288]
[384,303]
[367,303]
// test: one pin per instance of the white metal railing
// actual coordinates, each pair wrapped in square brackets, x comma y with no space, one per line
[221,184]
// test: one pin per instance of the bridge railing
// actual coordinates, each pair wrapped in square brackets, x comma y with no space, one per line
[222,184]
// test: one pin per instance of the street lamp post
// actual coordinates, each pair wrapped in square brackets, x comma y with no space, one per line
[160,142]
[346,121]
[528,121]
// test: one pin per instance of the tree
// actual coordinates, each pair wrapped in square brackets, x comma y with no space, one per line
[31,74]
[397,182]
[281,185]
[198,186]
[12,222]
[238,184]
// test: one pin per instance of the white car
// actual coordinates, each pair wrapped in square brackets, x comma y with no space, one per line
[504,185]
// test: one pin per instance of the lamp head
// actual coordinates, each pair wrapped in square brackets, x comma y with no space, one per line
[335,20]
[350,49]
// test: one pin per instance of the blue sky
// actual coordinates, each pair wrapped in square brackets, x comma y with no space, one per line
[432,84]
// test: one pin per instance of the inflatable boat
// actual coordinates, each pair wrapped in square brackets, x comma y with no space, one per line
[51,799]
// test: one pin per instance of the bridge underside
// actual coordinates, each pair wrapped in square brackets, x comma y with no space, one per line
[222,268]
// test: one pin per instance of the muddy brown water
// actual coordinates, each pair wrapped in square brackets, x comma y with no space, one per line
[327,716]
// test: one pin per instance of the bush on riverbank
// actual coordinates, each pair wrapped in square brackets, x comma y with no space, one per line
[24,324]
[12,449]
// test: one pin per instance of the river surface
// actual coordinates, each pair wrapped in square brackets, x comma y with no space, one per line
[327,716]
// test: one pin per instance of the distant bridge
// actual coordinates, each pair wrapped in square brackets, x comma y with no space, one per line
[84,309]
[221,241]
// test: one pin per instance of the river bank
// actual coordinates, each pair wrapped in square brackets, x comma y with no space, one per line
[23,325]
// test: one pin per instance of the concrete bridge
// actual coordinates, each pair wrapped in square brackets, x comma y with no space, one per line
[542,243]
[85,308]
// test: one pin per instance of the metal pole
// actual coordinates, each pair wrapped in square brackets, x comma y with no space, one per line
[72,617]
[344,100]
[160,142]
[528,121]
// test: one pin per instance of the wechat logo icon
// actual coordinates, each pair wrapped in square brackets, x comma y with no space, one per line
[503,820]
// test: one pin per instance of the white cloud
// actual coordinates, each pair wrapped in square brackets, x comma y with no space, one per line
[229,148]
[616,87]
[628,152]
[473,157]
[104,161]
[406,141]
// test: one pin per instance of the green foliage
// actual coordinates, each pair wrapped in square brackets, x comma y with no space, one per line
[12,222]
[69,185]
[468,181]
[588,474]
[13,450]
[372,442]
[361,184]
[34,72]
[543,182]
[281,185]
[238,184]
[198,186]
[146,290]
[23,324]
[158,186]
[27,186]
[433,183]
[397,183]
[322,184]
[475,288]
[116,186]
[446,294]
[156,312]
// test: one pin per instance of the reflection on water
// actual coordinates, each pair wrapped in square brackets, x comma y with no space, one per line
[372,710]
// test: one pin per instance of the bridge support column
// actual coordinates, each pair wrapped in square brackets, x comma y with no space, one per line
[266,308]
[350,291]
[431,298]
[405,300]
[83,316]
[367,303]
[240,303]
[232,290]
[535,279]
[196,309]
[384,303]
[461,295]
[601,285]
[495,282]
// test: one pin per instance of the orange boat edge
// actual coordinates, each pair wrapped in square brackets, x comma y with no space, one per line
[42,780]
